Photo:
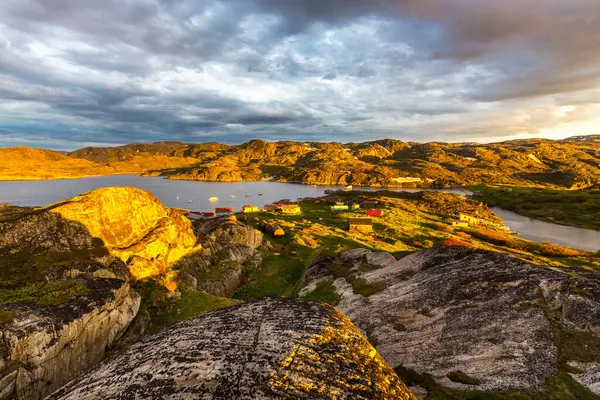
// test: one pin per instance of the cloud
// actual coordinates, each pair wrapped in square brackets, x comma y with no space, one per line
[75,71]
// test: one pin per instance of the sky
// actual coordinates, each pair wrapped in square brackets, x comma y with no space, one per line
[76,73]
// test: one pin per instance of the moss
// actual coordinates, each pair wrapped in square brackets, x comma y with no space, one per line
[362,286]
[189,305]
[6,317]
[461,377]
[324,293]
[50,293]
[580,346]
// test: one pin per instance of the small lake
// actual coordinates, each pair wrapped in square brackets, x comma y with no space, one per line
[540,231]
[179,193]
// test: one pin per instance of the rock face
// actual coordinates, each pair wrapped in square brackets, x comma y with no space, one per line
[267,349]
[44,347]
[131,222]
[228,246]
[504,323]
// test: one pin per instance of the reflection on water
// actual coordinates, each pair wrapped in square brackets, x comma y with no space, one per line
[540,231]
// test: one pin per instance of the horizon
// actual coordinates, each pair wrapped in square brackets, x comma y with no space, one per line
[77,74]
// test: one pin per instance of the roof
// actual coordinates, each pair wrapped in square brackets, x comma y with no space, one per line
[290,206]
[460,220]
[360,221]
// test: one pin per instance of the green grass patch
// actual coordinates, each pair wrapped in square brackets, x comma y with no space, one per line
[190,305]
[324,293]
[51,293]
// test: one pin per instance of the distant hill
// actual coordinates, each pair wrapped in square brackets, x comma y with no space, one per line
[572,163]
[24,163]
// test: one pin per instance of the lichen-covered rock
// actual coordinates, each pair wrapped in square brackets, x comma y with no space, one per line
[267,349]
[44,347]
[228,246]
[503,323]
[131,222]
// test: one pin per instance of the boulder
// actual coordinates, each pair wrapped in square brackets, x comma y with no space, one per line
[131,222]
[470,319]
[44,347]
[266,349]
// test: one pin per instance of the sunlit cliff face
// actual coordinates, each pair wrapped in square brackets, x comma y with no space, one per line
[80,73]
[134,226]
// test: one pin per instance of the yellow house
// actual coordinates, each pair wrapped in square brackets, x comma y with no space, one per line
[470,218]
[250,209]
[291,209]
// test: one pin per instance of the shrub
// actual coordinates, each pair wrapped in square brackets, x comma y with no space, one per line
[454,242]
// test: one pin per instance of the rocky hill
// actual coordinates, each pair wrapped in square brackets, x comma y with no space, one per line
[464,319]
[268,349]
[65,296]
[572,163]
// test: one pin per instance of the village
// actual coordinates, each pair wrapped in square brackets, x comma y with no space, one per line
[363,214]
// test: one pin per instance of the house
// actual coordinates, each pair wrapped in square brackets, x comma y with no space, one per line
[208,214]
[460,222]
[250,209]
[355,206]
[222,211]
[363,225]
[374,213]
[269,207]
[291,209]
[470,218]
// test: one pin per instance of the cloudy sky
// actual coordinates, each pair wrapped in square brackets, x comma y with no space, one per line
[87,72]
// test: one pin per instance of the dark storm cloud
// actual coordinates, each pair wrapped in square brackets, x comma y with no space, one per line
[117,71]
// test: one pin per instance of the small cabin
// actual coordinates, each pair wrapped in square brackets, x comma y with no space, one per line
[209,214]
[291,209]
[460,223]
[269,207]
[364,225]
[470,218]
[374,213]
[355,206]
[250,209]
[339,206]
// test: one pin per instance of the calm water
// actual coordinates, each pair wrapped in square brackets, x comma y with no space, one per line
[178,193]
[540,231]
[171,193]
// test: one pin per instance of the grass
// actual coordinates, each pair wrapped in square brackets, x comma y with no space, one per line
[50,293]
[324,293]
[580,208]
[362,286]
[189,305]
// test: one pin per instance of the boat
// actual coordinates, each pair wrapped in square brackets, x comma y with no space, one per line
[232,196]
[213,198]
[190,201]
[246,195]
[260,194]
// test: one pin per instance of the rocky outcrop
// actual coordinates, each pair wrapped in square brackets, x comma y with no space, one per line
[228,247]
[131,222]
[267,349]
[44,347]
[469,319]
